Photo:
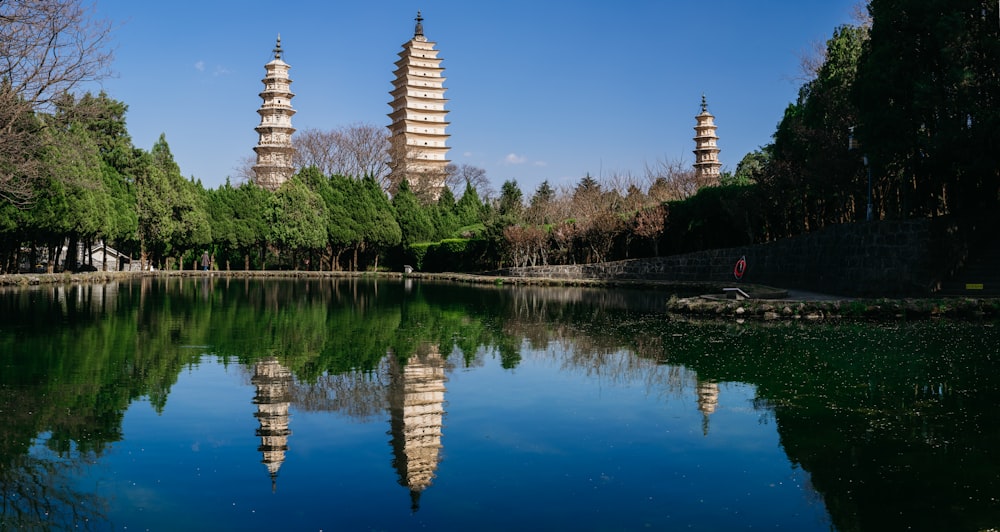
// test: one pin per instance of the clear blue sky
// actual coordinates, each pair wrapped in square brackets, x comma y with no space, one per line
[538,89]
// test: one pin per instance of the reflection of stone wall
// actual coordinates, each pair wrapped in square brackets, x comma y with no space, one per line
[416,406]
[273,382]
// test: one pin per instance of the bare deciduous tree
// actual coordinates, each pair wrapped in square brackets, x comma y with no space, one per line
[47,48]
[356,150]
[317,147]
[527,244]
[244,170]
[458,175]
[670,180]
[649,223]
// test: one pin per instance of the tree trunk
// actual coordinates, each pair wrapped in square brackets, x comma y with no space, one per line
[72,252]
[55,251]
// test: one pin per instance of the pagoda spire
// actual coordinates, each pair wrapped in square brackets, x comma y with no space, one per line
[418,31]
[277,48]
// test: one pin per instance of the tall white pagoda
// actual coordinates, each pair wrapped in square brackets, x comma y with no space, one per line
[706,151]
[275,152]
[419,152]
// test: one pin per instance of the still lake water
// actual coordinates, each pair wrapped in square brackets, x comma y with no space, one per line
[214,404]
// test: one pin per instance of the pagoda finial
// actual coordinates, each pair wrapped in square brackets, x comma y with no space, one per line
[277,48]
[419,30]
[704,104]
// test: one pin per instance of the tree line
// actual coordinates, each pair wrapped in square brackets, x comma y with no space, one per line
[908,97]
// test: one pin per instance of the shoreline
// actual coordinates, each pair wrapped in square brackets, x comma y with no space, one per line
[768,303]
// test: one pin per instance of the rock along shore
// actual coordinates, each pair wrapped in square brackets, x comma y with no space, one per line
[766,304]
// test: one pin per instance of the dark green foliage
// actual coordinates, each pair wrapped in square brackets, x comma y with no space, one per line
[808,178]
[451,254]
[414,221]
[539,209]
[511,204]
[448,255]
[173,211]
[751,168]
[715,217]
[928,93]
[239,225]
[445,215]
[469,209]
[921,91]
[298,222]
[379,228]
[415,253]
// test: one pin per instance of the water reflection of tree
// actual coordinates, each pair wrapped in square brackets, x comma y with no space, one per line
[355,394]
[896,424]
[38,493]
[73,358]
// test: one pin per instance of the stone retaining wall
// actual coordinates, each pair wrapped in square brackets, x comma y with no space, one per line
[906,258]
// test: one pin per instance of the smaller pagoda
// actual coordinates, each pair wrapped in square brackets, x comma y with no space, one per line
[706,151]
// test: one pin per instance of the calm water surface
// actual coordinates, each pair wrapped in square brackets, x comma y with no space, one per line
[207,404]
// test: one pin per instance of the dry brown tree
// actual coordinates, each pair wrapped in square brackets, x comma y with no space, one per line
[671,180]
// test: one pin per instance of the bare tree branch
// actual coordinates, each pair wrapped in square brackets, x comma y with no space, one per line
[458,175]
[670,180]
[356,150]
[47,49]
[244,172]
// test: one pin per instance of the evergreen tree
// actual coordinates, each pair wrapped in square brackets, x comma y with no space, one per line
[511,203]
[811,178]
[78,205]
[376,220]
[445,215]
[414,221]
[929,102]
[176,203]
[298,218]
[251,222]
[469,209]
[539,208]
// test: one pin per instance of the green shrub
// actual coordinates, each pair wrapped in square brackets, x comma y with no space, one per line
[415,254]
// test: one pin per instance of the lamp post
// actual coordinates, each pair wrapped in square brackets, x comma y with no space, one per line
[868,167]
[853,144]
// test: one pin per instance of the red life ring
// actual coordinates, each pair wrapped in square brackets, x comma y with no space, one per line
[740,268]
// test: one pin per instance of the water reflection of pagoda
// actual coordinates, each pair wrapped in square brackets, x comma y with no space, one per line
[416,407]
[273,382]
[708,399]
